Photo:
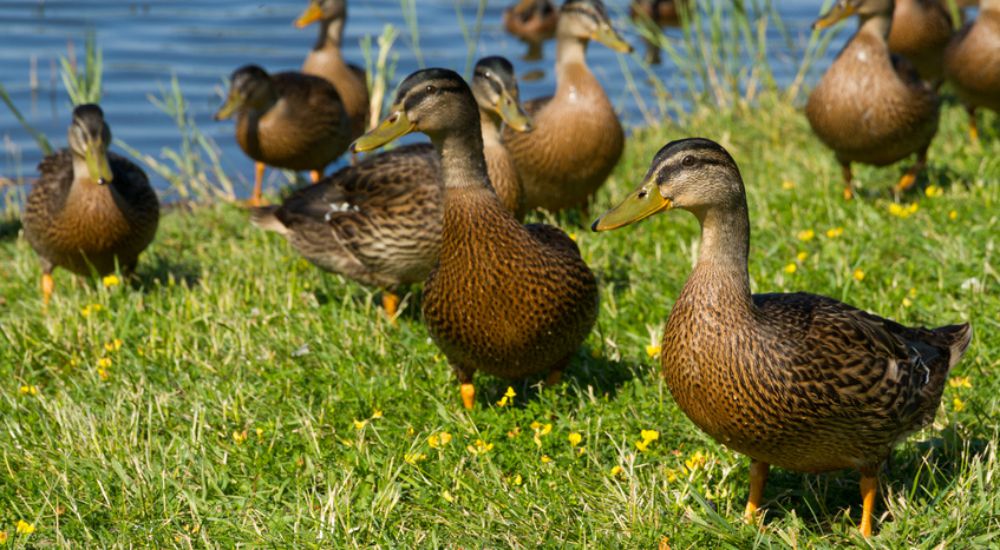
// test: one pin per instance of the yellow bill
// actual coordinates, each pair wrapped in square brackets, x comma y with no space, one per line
[513,113]
[312,14]
[97,163]
[232,103]
[639,205]
[395,126]
[840,11]
[606,34]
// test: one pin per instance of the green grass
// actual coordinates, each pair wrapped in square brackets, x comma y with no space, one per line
[227,330]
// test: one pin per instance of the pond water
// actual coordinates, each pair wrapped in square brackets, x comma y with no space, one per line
[144,43]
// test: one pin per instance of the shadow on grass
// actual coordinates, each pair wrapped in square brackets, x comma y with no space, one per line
[160,271]
[9,229]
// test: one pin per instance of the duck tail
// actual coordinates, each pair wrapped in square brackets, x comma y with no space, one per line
[264,217]
[957,338]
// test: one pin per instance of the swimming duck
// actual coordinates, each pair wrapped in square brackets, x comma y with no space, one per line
[534,22]
[920,31]
[325,60]
[379,222]
[872,107]
[287,120]
[662,13]
[577,139]
[799,381]
[90,210]
[504,298]
[972,63]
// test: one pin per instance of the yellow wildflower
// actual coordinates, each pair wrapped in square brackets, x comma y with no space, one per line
[413,458]
[958,405]
[901,211]
[801,256]
[410,431]
[28,390]
[447,496]
[103,374]
[90,309]
[24,528]
[787,185]
[239,436]
[516,431]
[616,471]
[653,350]
[671,475]
[650,435]
[696,460]
[358,424]
[859,275]
[933,191]
[546,459]
[642,445]
[790,268]
[806,235]
[260,433]
[113,345]
[960,382]
[953,215]
[111,280]
[480,447]
[508,397]
[377,413]
[907,302]
[834,232]
[3,537]
[575,438]
[103,363]
[517,479]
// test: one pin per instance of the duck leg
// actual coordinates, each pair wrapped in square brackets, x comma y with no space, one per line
[556,372]
[845,169]
[534,52]
[48,286]
[869,489]
[316,175]
[466,388]
[758,479]
[973,129]
[258,183]
[390,303]
[910,177]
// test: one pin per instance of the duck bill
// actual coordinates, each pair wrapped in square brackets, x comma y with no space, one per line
[395,126]
[513,114]
[639,205]
[312,14]
[840,11]
[232,103]
[607,35]
[97,163]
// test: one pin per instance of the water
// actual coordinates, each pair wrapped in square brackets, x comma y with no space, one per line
[200,42]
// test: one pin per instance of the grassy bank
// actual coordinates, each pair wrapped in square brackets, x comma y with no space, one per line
[234,394]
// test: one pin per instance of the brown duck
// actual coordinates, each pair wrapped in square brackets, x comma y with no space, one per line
[326,60]
[656,14]
[379,222]
[920,32]
[800,381]
[872,107]
[506,299]
[287,120]
[972,63]
[534,22]
[577,138]
[91,210]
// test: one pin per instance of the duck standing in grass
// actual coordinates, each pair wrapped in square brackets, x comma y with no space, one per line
[504,298]
[326,60]
[656,14]
[872,107]
[920,32]
[379,222]
[532,21]
[800,381]
[577,139]
[90,211]
[287,120]
[972,63]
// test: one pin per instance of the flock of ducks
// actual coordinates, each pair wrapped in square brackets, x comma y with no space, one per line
[799,381]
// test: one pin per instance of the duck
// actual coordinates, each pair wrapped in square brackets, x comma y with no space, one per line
[507,299]
[799,381]
[578,138]
[920,32]
[870,106]
[90,211]
[325,60]
[972,63]
[287,120]
[384,214]
[661,13]
[532,21]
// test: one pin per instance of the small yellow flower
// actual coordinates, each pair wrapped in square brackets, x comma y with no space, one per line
[960,382]
[546,459]
[3,537]
[901,211]
[790,268]
[508,397]
[111,280]
[358,424]
[103,374]
[696,460]
[260,433]
[480,447]
[787,185]
[103,363]
[933,191]
[90,309]
[642,445]
[447,496]
[834,232]
[859,275]
[445,438]
[671,475]
[512,433]
[801,256]
[907,302]
[28,390]
[24,528]
[113,345]
[413,458]
[575,438]
[239,436]
[649,435]
[806,235]
[953,215]
[958,405]
[653,350]
[616,471]
[517,479]
[377,413]
[410,431]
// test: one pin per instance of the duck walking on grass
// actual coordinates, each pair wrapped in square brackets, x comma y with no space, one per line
[800,381]
[507,299]
[872,107]
[379,222]
[287,120]
[972,63]
[90,211]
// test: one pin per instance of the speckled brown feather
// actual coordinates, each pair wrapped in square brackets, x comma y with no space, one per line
[920,32]
[82,226]
[305,130]
[872,108]
[972,61]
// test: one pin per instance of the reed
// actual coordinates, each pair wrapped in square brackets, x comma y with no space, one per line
[83,86]
[380,68]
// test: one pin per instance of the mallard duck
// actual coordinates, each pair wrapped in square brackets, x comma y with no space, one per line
[972,63]
[504,298]
[920,32]
[661,13]
[90,210]
[799,381]
[287,120]
[379,222]
[534,22]
[577,138]
[872,107]
[325,60]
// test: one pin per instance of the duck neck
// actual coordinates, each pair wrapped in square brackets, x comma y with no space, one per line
[722,258]
[877,25]
[490,124]
[462,160]
[330,34]
[571,60]
[81,176]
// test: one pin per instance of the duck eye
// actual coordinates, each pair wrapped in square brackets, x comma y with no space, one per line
[430,89]
[688,161]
